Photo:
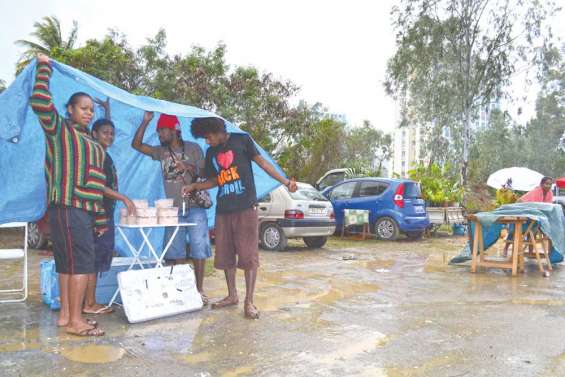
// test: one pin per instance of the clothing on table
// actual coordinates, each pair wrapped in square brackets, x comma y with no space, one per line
[174,178]
[73,160]
[197,236]
[230,164]
[537,195]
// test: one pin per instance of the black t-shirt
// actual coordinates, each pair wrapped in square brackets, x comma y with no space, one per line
[230,165]
[111,182]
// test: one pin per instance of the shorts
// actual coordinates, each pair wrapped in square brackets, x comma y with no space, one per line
[72,234]
[237,234]
[197,236]
[104,249]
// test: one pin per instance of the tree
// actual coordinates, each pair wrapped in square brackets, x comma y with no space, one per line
[454,57]
[49,40]
[366,148]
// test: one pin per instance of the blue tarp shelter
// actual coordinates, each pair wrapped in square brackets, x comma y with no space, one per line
[22,145]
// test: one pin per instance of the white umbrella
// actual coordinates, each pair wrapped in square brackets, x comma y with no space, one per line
[523,179]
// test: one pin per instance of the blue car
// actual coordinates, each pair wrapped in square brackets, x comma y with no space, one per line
[396,205]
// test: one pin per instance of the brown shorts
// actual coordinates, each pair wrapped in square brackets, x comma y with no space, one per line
[237,233]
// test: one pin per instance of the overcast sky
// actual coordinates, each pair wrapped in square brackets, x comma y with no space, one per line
[336,51]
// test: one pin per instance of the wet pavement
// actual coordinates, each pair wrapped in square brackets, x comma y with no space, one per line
[365,308]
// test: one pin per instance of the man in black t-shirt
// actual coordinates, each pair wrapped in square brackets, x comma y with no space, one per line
[229,167]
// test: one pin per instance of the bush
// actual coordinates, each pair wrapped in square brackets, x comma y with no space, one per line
[439,186]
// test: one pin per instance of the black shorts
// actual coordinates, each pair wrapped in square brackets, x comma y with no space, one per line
[72,233]
[104,249]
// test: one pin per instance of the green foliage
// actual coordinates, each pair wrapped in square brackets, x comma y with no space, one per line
[439,185]
[454,57]
[49,40]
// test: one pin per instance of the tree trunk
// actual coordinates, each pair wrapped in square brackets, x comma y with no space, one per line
[466,144]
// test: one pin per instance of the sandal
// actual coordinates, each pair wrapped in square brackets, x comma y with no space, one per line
[88,331]
[226,301]
[251,311]
[102,310]
[90,321]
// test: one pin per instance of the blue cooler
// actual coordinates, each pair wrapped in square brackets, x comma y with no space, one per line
[459,230]
[49,284]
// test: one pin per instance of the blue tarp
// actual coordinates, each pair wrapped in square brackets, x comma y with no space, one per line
[22,145]
[549,217]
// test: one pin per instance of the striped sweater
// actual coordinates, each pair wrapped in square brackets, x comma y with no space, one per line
[73,160]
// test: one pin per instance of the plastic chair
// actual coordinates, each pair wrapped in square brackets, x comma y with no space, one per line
[18,294]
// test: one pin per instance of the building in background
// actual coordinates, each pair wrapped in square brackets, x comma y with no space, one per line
[409,140]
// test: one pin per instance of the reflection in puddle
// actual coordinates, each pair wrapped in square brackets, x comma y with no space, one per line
[197,358]
[94,354]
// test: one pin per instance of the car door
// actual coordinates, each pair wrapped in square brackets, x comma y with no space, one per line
[264,207]
[341,198]
[369,196]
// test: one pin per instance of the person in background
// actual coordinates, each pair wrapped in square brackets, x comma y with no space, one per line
[103,131]
[181,162]
[541,193]
[228,167]
[74,167]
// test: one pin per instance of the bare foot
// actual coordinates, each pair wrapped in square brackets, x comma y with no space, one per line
[250,311]
[226,301]
[89,321]
[205,300]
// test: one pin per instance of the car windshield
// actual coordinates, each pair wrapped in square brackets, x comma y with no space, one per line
[307,193]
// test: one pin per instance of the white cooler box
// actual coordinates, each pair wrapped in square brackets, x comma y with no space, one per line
[158,292]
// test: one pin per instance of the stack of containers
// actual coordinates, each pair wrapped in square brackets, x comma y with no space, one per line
[166,213]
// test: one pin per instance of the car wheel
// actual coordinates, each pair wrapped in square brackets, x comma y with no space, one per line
[315,242]
[386,229]
[414,235]
[272,237]
[36,239]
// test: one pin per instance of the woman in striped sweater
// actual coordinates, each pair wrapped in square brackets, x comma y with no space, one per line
[75,184]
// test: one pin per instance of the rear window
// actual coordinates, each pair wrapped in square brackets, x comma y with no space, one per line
[307,194]
[412,190]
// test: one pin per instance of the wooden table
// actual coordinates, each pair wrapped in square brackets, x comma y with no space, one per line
[478,253]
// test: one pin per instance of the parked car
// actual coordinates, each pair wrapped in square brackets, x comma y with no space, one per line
[331,178]
[395,205]
[305,214]
[38,233]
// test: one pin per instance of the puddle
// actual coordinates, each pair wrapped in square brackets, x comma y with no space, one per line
[94,354]
[378,264]
[196,358]
[17,347]
[241,371]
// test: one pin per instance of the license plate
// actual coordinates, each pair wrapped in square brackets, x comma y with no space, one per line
[317,211]
[419,209]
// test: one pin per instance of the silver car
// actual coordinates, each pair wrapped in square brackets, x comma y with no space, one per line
[305,214]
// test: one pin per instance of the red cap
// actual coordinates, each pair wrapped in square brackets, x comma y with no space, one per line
[168,121]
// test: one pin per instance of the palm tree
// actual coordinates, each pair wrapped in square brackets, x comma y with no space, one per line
[49,40]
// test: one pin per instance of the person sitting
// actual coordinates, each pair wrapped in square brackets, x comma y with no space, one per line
[541,193]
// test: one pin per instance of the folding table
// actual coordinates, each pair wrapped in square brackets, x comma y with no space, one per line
[145,231]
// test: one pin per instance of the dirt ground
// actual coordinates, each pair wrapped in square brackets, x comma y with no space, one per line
[363,308]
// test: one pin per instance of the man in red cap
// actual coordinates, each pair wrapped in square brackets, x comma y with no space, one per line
[181,162]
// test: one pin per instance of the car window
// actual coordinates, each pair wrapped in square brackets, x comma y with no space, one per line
[265,199]
[307,193]
[412,190]
[331,180]
[368,188]
[344,191]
